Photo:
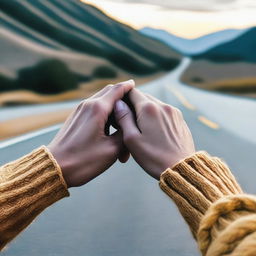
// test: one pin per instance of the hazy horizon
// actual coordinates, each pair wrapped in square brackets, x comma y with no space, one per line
[191,22]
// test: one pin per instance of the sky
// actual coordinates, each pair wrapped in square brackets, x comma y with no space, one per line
[188,18]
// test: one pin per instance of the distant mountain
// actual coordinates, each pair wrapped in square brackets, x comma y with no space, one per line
[79,35]
[242,48]
[193,46]
[228,67]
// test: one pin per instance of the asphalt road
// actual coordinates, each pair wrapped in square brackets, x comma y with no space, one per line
[123,212]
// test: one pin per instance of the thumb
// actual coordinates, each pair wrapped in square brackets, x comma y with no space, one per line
[124,118]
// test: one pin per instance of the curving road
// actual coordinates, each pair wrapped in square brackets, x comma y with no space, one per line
[123,212]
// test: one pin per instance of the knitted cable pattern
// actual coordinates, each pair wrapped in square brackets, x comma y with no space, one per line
[229,227]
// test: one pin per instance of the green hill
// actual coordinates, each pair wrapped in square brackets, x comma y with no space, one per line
[79,35]
[240,49]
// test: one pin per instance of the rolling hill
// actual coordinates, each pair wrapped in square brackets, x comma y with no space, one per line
[241,48]
[193,46]
[228,67]
[79,35]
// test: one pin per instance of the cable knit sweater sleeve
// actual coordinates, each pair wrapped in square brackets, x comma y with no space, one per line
[221,218]
[28,186]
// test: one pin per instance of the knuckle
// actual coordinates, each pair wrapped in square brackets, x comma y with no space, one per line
[168,109]
[128,138]
[149,107]
[172,110]
[96,106]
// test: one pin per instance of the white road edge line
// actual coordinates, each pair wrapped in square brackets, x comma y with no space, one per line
[28,136]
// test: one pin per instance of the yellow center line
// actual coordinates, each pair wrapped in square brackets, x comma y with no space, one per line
[182,99]
[188,105]
[208,122]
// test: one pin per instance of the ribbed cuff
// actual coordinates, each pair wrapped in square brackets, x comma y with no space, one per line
[28,186]
[195,183]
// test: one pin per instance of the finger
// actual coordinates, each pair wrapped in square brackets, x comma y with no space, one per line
[106,89]
[122,152]
[102,91]
[116,93]
[125,119]
[136,97]
[124,155]
[150,97]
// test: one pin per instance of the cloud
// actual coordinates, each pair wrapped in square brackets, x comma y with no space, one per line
[197,5]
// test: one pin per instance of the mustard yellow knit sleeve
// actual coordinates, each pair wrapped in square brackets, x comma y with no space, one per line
[221,218]
[28,186]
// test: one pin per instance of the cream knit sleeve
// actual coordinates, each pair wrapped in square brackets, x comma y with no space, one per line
[221,218]
[28,186]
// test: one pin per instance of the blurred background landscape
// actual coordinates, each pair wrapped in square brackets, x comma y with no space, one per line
[55,50]
[197,55]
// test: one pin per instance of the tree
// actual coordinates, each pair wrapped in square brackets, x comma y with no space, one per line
[104,72]
[47,77]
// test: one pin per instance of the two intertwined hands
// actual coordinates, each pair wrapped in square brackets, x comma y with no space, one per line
[154,133]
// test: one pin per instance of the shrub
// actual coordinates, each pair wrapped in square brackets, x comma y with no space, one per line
[6,83]
[48,77]
[197,79]
[104,72]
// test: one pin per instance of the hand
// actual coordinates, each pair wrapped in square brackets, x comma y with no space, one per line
[158,137]
[83,148]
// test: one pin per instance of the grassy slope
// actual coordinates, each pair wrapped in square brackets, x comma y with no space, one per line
[229,67]
[28,52]
[84,29]
[237,77]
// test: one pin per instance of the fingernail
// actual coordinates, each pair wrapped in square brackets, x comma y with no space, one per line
[131,81]
[120,106]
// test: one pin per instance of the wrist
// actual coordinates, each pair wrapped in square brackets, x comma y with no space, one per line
[62,164]
[170,162]
[180,158]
